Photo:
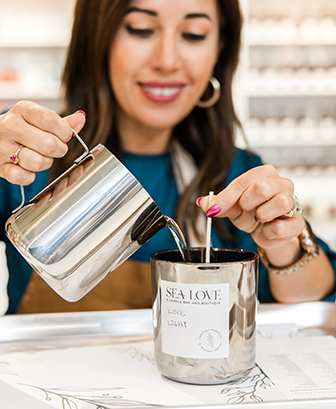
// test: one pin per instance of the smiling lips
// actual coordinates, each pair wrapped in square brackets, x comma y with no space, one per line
[161,92]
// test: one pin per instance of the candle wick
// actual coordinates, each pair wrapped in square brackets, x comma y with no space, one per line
[208,232]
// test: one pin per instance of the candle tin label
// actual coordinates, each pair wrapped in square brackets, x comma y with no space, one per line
[195,320]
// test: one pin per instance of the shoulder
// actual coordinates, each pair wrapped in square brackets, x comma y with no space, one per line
[243,161]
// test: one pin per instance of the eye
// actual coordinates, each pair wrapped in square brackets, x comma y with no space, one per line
[194,38]
[139,32]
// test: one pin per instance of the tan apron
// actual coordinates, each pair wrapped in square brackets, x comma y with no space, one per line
[127,287]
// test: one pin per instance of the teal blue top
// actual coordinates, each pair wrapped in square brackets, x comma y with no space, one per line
[156,175]
[19,270]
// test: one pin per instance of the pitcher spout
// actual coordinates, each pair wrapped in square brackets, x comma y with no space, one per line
[150,221]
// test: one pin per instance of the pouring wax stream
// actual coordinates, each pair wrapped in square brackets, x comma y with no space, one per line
[180,240]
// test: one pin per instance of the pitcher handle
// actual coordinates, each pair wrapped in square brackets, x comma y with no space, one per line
[78,160]
[22,200]
[80,140]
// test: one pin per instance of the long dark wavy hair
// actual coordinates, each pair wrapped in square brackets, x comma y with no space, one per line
[207,134]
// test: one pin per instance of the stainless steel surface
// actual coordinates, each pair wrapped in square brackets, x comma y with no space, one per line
[84,224]
[237,268]
[319,316]
[311,318]
[39,327]
[70,329]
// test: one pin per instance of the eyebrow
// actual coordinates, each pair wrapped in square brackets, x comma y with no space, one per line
[197,15]
[145,11]
[154,13]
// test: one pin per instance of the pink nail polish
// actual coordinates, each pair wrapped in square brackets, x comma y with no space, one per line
[256,219]
[80,112]
[213,211]
[198,201]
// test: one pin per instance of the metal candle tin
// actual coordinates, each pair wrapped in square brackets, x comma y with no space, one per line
[204,314]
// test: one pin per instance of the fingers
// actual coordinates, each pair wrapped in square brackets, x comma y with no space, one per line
[34,161]
[228,198]
[255,202]
[267,198]
[49,121]
[264,190]
[278,232]
[42,133]
[41,129]
[17,175]
[30,162]
[273,208]
[284,228]
[76,120]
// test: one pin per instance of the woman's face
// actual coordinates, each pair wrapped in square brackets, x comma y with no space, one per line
[162,59]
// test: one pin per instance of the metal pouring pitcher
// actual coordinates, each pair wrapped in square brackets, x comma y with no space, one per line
[85,223]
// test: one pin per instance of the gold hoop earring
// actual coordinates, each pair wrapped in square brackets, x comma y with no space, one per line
[215,95]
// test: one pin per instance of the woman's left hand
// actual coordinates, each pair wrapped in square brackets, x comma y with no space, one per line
[256,202]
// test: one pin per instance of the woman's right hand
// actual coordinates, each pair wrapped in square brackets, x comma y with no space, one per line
[43,135]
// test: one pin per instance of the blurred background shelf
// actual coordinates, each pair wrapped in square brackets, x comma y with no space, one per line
[291,93]
[34,36]
[266,42]
[17,90]
[36,43]
[290,96]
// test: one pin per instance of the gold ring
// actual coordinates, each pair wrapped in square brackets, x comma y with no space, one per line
[15,156]
[296,207]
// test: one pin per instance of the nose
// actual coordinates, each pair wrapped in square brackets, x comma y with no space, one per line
[166,57]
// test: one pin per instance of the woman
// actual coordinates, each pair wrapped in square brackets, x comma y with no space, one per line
[146,74]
